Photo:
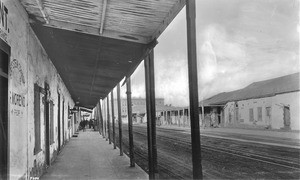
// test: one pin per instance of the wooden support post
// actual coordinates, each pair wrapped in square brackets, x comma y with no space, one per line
[108,120]
[100,119]
[184,118]
[103,118]
[178,117]
[166,122]
[203,115]
[113,117]
[120,120]
[96,115]
[105,124]
[129,110]
[189,116]
[99,123]
[149,132]
[193,89]
[151,114]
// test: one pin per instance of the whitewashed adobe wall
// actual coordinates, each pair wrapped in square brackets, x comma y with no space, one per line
[41,70]
[276,103]
[229,113]
[287,99]
[245,105]
[17,87]
[29,64]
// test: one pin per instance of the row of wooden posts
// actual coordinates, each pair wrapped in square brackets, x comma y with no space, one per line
[104,125]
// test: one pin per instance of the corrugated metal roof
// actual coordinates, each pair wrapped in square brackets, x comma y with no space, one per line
[271,87]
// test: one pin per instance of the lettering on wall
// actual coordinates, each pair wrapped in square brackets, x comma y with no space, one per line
[17,99]
[18,103]
[3,22]
[18,94]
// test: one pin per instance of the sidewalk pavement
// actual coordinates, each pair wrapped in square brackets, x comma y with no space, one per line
[89,156]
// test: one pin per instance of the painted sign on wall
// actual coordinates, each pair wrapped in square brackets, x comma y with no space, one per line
[18,85]
[18,103]
[3,22]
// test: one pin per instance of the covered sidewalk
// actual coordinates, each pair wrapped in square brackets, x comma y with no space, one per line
[89,156]
[92,48]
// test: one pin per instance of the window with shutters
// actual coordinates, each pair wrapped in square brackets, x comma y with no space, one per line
[37,119]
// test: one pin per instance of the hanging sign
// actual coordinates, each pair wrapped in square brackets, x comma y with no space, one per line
[3,22]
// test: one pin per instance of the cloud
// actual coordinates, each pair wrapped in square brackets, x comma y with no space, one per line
[171,82]
[220,54]
[239,42]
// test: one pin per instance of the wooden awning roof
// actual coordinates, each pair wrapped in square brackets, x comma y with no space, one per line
[95,43]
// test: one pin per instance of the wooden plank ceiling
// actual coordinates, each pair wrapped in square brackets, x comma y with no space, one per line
[95,43]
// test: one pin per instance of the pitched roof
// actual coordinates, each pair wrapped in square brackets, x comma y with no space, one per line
[271,87]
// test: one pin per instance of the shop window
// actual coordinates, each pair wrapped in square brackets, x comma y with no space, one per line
[259,113]
[251,117]
[37,119]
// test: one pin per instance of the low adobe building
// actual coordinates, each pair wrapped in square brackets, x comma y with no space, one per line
[270,104]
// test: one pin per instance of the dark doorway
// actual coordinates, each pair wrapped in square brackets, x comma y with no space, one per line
[4,61]
[268,116]
[287,117]
[47,126]
[58,121]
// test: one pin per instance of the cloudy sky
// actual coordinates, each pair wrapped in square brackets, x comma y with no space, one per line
[238,42]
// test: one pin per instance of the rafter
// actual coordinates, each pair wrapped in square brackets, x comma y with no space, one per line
[42,10]
[103,16]
[59,24]
[169,18]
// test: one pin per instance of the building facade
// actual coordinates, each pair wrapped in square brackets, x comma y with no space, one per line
[270,104]
[35,120]
[276,112]
[136,102]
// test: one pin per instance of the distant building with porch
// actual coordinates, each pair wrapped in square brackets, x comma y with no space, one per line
[165,114]
[138,105]
[270,104]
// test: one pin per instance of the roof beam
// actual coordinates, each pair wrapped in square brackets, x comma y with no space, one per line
[169,18]
[103,16]
[95,71]
[41,7]
[95,93]
[80,28]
